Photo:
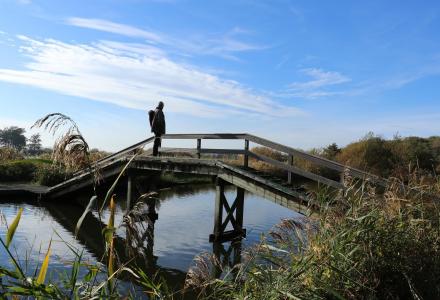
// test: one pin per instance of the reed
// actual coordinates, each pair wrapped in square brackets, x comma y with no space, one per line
[364,245]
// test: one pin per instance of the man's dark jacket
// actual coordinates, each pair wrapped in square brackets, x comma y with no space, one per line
[158,125]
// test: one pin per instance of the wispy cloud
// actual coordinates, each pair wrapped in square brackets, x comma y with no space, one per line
[117,28]
[224,45]
[320,78]
[135,76]
[316,87]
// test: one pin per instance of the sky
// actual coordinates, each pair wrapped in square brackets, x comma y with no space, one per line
[302,73]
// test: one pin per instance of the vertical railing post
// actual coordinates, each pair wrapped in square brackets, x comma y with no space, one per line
[246,155]
[289,174]
[199,146]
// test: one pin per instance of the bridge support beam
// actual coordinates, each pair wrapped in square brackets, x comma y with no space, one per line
[234,215]
[228,255]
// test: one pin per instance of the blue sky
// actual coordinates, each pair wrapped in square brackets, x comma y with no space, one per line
[303,73]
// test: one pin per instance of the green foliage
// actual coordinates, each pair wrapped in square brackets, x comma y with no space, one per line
[32,170]
[50,175]
[18,171]
[392,157]
[331,151]
[372,153]
[34,144]
[13,137]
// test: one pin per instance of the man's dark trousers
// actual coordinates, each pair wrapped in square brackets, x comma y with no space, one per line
[157,144]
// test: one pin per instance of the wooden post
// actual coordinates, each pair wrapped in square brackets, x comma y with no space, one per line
[199,146]
[233,216]
[218,211]
[246,156]
[239,209]
[129,192]
[289,174]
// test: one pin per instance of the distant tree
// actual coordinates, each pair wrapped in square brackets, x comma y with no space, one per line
[34,144]
[13,137]
[331,151]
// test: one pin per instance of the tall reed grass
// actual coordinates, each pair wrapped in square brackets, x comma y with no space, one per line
[362,245]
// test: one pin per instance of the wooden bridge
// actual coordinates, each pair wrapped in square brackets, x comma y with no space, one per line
[208,161]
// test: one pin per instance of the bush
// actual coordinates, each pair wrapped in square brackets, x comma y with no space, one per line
[50,175]
[372,153]
[8,153]
[19,171]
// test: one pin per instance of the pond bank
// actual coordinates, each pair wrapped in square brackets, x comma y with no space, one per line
[22,189]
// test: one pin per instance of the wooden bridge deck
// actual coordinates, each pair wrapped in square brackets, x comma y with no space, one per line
[245,178]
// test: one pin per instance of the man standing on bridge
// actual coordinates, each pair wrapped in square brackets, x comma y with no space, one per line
[158,127]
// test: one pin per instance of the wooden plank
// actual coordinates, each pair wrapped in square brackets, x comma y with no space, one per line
[203,150]
[298,171]
[263,192]
[222,151]
[126,150]
[177,150]
[207,136]
[263,181]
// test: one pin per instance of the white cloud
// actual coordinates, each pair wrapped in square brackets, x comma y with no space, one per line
[314,88]
[135,76]
[225,45]
[320,78]
[112,27]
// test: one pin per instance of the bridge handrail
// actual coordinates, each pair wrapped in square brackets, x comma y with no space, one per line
[282,148]
[292,152]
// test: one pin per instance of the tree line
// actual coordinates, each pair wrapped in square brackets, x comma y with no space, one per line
[13,137]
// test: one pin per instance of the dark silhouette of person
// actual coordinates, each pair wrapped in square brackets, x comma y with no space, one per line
[158,127]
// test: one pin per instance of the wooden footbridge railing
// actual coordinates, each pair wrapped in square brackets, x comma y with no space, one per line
[246,152]
[243,177]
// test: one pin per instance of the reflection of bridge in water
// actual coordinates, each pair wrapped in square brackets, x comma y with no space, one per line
[228,213]
[142,256]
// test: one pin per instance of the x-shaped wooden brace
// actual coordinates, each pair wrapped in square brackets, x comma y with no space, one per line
[230,211]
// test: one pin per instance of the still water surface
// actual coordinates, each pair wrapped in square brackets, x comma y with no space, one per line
[181,232]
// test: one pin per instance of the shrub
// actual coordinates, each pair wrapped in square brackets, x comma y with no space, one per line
[50,175]
[19,171]
[372,153]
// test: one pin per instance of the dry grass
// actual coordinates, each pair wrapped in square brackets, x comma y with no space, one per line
[70,148]
[8,154]
[365,245]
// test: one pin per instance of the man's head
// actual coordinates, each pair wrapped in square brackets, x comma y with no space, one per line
[160,105]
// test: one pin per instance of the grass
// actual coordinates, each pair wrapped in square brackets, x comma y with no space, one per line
[358,244]
[364,245]
[34,170]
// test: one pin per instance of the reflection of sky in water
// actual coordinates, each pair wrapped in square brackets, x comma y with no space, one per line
[181,232]
[34,232]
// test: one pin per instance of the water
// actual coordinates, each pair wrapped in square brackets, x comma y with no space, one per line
[180,233]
